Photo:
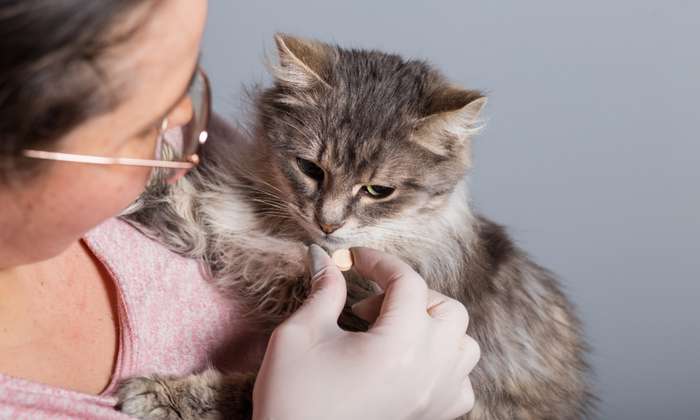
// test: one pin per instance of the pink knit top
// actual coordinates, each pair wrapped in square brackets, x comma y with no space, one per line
[171,321]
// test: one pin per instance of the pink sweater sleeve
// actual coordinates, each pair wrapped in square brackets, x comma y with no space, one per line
[171,321]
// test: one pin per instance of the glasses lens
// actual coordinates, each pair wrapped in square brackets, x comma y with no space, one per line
[182,144]
[195,133]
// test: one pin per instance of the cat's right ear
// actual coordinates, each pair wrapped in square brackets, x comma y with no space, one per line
[303,63]
[453,118]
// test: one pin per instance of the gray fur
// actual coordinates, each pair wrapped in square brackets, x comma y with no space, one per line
[368,117]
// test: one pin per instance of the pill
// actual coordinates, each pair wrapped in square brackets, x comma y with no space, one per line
[343,259]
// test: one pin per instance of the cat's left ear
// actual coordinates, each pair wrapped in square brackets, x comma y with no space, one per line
[303,63]
[453,117]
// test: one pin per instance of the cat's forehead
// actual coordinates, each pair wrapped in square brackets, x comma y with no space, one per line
[368,158]
[357,117]
[374,92]
[372,106]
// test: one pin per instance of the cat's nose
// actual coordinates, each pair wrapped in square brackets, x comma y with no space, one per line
[329,228]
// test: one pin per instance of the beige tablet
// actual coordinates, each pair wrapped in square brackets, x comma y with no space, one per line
[343,259]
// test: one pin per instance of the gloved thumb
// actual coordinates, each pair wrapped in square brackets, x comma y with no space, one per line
[322,308]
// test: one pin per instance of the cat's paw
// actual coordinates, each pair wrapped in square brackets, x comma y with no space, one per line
[147,398]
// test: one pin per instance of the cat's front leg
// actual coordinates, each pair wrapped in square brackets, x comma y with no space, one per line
[351,322]
[210,395]
[358,289]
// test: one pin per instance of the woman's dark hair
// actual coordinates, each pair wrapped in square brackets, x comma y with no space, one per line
[51,78]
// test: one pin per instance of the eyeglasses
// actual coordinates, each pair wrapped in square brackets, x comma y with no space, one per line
[174,153]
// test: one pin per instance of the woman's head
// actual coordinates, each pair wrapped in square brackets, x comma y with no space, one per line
[86,78]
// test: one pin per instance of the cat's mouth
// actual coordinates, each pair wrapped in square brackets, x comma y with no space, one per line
[330,243]
[314,235]
[334,242]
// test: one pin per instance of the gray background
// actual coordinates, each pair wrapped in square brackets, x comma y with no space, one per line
[590,156]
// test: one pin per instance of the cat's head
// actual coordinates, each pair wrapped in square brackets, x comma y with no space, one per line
[363,139]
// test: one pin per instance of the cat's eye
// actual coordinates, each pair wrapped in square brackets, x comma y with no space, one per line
[378,191]
[310,169]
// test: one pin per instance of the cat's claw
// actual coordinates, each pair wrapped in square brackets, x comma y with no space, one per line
[146,398]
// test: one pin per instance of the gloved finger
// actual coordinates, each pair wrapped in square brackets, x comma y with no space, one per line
[465,401]
[405,290]
[328,294]
[470,355]
[441,307]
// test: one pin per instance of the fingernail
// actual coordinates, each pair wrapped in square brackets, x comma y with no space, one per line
[318,259]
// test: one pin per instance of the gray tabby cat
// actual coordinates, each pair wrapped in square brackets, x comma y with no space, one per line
[362,148]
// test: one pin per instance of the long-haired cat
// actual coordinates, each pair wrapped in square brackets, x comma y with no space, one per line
[362,148]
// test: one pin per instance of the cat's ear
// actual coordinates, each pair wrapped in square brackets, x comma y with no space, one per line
[303,63]
[453,117]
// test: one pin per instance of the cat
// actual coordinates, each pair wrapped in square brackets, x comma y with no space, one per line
[349,148]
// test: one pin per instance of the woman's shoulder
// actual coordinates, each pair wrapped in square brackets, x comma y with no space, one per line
[174,321]
[122,247]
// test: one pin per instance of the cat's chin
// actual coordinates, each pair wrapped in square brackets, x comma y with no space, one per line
[328,243]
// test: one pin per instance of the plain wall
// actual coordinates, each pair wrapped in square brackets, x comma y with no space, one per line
[590,157]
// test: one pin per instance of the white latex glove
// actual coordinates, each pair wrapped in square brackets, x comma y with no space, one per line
[411,364]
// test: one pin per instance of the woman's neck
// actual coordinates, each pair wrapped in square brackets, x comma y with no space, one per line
[58,321]
[33,296]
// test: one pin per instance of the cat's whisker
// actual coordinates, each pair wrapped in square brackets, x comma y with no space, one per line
[270,204]
[277,213]
[403,234]
[241,170]
[273,213]
[255,178]
[277,200]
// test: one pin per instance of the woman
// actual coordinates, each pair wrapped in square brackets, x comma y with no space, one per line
[86,90]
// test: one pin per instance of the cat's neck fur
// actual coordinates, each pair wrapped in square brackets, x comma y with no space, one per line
[437,242]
